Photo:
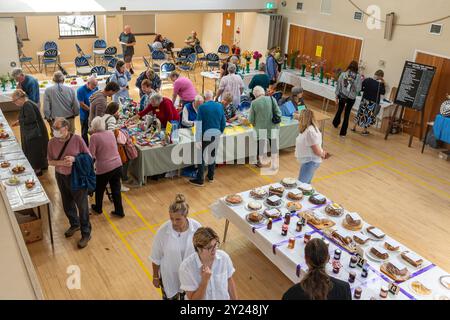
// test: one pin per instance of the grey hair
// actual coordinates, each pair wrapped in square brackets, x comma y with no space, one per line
[228,97]
[64,122]
[258,91]
[58,77]
[156,97]
[262,67]
[199,98]
[91,79]
[231,68]
[16,72]
[234,59]
[97,124]
[209,95]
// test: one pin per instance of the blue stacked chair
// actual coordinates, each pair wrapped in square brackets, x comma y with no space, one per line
[99,70]
[50,57]
[212,60]
[98,49]
[82,66]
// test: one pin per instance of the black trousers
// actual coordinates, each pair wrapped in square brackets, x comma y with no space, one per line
[84,130]
[113,178]
[347,105]
[73,200]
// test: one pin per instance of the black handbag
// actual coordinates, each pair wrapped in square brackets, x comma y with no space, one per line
[276,119]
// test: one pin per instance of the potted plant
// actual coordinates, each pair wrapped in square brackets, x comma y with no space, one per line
[257,55]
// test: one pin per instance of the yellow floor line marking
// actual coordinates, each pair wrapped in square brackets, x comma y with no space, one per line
[131,251]
[256,171]
[138,213]
[126,234]
[339,173]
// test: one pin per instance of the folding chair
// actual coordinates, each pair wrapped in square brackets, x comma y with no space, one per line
[99,48]
[82,66]
[158,57]
[189,65]
[212,61]
[27,62]
[99,70]
[50,57]
[166,69]
[82,54]
[110,53]
[146,63]
[50,45]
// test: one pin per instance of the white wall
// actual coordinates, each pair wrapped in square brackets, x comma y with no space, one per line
[254,31]
[211,37]
[9,52]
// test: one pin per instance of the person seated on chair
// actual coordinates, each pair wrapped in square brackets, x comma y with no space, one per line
[183,88]
[261,79]
[151,75]
[146,87]
[289,106]
[160,106]
[192,40]
[232,83]
[27,83]
[224,69]
[189,113]
[229,108]
[158,43]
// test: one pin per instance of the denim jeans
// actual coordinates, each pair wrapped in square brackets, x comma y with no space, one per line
[307,171]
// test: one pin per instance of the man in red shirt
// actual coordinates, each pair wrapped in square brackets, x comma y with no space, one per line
[162,107]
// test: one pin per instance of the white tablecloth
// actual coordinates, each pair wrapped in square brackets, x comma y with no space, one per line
[291,261]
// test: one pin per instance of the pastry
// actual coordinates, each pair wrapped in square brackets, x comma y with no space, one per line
[233,199]
[4,135]
[272,213]
[379,253]
[377,233]
[13,180]
[258,193]
[391,246]
[253,205]
[18,169]
[289,182]
[274,201]
[5,164]
[276,190]
[311,217]
[360,238]
[352,221]
[396,271]
[419,288]
[29,184]
[412,258]
[317,199]
[295,195]
[294,206]
[255,217]
[307,189]
[341,237]
[334,210]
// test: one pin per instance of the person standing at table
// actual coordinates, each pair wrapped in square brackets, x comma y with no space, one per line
[373,89]
[183,88]
[33,132]
[233,84]
[272,67]
[317,284]
[60,101]
[98,100]
[160,106]
[63,148]
[224,68]
[171,246]
[121,76]
[207,274]
[308,146]
[28,84]
[128,41]
[213,122]
[83,95]
[150,75]
[347,89]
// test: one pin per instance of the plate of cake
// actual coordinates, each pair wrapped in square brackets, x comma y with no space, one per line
[317,219]
[5,164]
[255,218]
[295,195]
[233,200]
[272,214]
[377,254]
[258,193]
[374,233]
[317,199]
[307,189]
[273,202]
[18,169]
[334,210]
[412,259]
[253,206]
[293,206]
[276,190]
[361,239]
[391,245]
[289,183]
[396,271]
[352,222]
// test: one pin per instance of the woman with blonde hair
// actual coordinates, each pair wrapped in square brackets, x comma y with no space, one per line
[207,274]
[172,244]
[316,284]
[308,146]
[33,132]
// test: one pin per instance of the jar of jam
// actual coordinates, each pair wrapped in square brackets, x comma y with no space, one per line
[269,224]
[353,261]
[337,254]
[307,238]
[284,230]
[384,292]
[365,271]
[358,292]
[352,277]
[291,243]
[299,226]
[336,269]
[287,218]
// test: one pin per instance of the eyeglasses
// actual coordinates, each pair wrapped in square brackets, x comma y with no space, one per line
[212,247]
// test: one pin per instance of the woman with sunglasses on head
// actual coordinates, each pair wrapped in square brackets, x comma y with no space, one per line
[208,273]
[172,244]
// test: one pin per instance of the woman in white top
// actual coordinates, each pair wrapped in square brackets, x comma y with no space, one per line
[208,273]
[172,244]
[308,146]
[111,116]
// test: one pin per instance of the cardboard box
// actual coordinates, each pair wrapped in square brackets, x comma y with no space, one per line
[30,225]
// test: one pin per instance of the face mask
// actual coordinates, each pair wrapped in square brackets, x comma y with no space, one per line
[57,133]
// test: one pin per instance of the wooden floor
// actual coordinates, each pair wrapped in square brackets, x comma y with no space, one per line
[396,188]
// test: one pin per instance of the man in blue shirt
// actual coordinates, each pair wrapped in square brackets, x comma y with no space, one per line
[83,95]
[28,84]
[212,119]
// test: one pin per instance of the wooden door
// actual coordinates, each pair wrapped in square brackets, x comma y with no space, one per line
[228,28]
[438,91]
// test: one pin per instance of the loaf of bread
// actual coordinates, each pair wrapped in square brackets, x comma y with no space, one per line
[380,253]
[412,258]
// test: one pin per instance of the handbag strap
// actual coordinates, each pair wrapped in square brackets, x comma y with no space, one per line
[64,147]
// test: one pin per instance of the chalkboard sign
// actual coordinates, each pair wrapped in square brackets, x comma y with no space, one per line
[414,85]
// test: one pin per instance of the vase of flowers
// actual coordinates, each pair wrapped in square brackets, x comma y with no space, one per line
[4,81]
[327,78]
[337,73]
[12,81]
[247,55]
[285,61]
[292,59]
[257,55]
[313,71]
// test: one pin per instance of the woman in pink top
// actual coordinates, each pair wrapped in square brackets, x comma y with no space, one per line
[108,166]
[182,87]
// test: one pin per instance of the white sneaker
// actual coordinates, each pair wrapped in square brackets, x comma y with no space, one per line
[124,189]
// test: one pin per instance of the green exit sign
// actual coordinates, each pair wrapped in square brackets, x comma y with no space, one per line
[269,5]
